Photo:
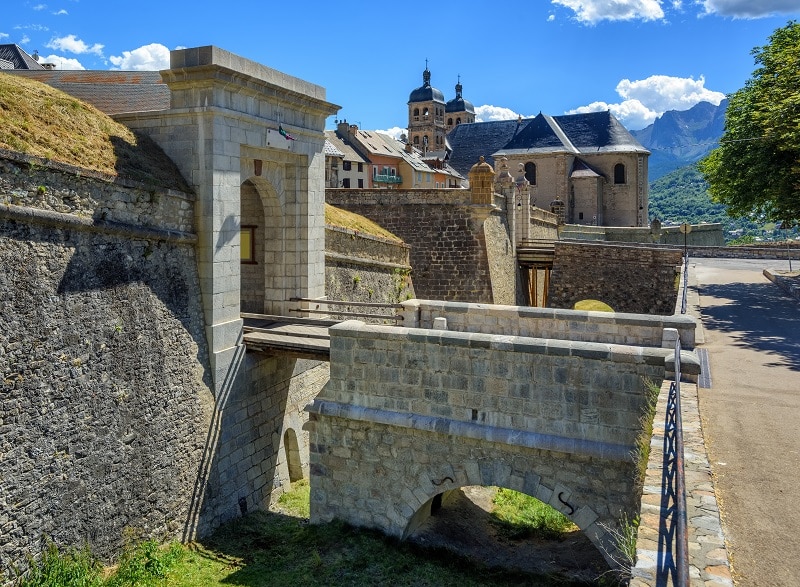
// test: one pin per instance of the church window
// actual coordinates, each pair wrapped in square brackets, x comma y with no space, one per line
[416,140]
[530,172]
[619,173]
[416,111]
[458,121]
[449,122]
[425,112]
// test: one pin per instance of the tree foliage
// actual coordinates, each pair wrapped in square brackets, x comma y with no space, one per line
[755,171]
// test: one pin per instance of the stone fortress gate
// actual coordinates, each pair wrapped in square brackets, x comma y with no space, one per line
[249,140]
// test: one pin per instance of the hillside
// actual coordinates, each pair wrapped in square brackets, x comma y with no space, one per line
[39,120]
[679,138]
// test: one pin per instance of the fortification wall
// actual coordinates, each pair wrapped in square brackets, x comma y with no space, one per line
[105,403]
[630,278]
[366,268]
[459,251]
[701,235]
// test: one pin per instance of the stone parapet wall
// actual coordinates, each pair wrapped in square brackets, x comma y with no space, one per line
[700,235]
[630,278]
[775,251]
[36,183]
[351,243]
[605,327]
[459,251]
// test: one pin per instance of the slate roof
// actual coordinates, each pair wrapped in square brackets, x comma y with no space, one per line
[580,134]
[112,92]
[471,140]
[13,57]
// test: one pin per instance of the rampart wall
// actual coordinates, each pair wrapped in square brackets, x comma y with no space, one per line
[105,402]
[459,251]
[630,278]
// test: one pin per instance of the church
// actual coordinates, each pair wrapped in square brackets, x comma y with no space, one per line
[589,162]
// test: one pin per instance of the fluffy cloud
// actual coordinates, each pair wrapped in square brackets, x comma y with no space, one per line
[152,57]
[750,9]
[74,45]
[61,12]
[62,62]
[647,99]
[594,11]
[393,132]
[40,7]
[487,113]
[3,35]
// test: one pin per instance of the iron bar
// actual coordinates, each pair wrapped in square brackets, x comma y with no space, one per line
[344,303]
[681,531]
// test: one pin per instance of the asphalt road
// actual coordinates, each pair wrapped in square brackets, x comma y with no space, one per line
[751,416]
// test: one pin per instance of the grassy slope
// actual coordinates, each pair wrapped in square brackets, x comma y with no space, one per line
[344,219]
[38,120]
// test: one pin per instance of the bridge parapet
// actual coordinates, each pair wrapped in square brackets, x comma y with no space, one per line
[577,325]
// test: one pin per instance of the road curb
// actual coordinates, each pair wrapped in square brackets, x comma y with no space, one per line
[787,285]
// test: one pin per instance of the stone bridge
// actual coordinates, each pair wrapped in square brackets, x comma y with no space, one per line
[551,407]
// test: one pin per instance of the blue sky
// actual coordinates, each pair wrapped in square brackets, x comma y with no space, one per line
[637,58]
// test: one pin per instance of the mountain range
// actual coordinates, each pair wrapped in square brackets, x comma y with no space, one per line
[680,138]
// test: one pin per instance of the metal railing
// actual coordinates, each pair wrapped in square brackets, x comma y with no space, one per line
[329,310]
[387,178]
[681,570]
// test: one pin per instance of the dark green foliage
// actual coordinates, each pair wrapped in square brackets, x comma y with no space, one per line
[756,170]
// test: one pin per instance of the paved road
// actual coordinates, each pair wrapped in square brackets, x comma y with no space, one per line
[751,416]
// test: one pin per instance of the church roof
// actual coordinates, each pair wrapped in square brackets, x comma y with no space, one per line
[459,104]
[13,57]
[426,92]
[469,141]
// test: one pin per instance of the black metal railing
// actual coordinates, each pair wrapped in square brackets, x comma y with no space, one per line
[681,529]
[330,309]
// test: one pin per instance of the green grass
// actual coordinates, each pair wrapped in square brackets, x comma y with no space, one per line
[267,548]
[521,516]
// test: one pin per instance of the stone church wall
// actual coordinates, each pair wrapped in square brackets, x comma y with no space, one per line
[630,278]
[457,248]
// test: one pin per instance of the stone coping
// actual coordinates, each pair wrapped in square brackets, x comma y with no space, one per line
[616,353]
[708,556]
[790,285]
[489,433]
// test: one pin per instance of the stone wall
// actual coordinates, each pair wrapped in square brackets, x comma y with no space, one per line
[701,234]
[411,413]
[104,389]
[459,251]
[629,278]
[366,268]
[575,325]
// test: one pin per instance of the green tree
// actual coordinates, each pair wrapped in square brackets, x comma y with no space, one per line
[755,171]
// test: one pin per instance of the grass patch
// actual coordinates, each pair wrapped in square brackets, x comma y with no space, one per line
[343,219]
[593,306]
[42,121]
[297,501]
[520,516]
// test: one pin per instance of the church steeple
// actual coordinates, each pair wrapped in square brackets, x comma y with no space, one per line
[458,109]
[426,129]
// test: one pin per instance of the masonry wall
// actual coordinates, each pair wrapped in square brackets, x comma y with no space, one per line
[104,390]
[458,250]
[366,268]
[629,278]
[411,413]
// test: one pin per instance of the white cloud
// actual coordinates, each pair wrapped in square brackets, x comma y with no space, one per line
[74,45]
[749,8]
[62,62]
[594,11]
[647,99]
[3,35]
[60,12]
[393,132]
[24,40]
[152,57]
[40,7]
[487,113]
